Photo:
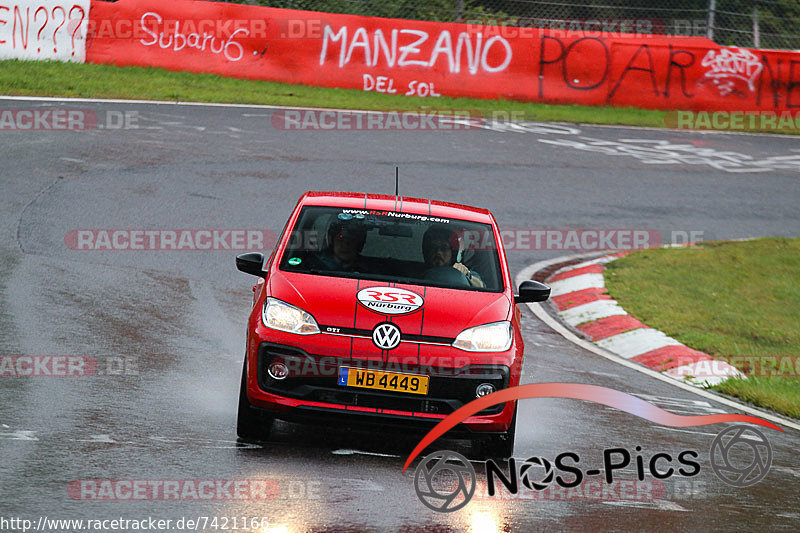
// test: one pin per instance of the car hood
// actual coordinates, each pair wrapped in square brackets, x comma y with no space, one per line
[335,302]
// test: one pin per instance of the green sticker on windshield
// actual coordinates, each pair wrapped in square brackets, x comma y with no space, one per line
[295,261]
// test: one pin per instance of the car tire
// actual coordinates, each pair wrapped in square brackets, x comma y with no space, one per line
[500,446]
[252,424]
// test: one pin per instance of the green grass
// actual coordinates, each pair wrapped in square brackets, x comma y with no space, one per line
[52,78]
[45,78]
[779,394]
[726,299]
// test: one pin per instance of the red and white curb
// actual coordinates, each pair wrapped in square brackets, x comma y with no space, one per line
[580,299]
[601,328]
[579,296]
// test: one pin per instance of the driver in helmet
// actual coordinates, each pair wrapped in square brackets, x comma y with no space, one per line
[440,249]
[346,239]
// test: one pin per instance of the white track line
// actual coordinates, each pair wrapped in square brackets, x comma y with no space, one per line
[576,283]
[591,311]
[166,102]
[636,342]
[601,261]
[705,372]
[265,106]
[545,317]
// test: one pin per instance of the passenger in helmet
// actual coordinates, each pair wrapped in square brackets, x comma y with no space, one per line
[440,249]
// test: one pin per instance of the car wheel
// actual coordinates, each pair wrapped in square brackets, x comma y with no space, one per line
[500,446]
[252,424]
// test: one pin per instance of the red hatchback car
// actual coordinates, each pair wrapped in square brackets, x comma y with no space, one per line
[385,311]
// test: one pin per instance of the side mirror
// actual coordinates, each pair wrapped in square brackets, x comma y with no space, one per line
[251,263]
[532,291]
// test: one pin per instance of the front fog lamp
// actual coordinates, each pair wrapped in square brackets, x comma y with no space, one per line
[494,337]
[483,389]
[277,370]
[279,315]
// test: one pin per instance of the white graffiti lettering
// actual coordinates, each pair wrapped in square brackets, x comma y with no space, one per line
[727,65]
[408,47]
[177,41]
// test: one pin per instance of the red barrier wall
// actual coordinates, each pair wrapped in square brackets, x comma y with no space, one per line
[432,59]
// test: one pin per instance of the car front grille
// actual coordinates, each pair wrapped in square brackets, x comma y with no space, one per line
[315,378]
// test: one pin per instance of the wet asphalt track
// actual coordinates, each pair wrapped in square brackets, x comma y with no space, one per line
[179,317]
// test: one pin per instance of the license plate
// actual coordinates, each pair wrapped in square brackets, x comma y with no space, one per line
[377,379]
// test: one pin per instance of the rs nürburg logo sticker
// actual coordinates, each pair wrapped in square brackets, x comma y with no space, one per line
[390,300]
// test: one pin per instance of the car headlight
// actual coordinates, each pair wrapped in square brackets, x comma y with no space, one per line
[284,317]
[494,337]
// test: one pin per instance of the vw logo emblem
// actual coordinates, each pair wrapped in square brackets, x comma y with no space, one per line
[386,336]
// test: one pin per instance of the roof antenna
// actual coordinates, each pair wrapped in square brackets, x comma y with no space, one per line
[397,181]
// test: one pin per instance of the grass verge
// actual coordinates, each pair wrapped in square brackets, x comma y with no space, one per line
[49,78]
[727,299]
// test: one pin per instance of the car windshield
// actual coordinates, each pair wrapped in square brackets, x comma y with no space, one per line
[395,247]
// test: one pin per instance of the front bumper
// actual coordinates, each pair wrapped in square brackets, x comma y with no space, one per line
[311,393]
